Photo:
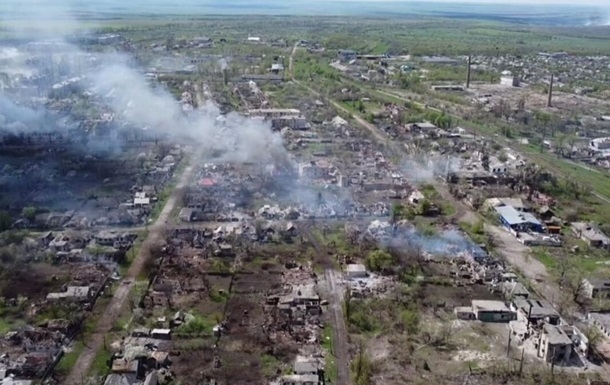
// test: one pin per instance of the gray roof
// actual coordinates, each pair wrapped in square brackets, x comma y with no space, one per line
[556,335]
[514,217]
[492,306]
[599,283]
[602,318]
[355,268]
[591,232]
[540,308]
[117,379]
[515,289]
[304,367]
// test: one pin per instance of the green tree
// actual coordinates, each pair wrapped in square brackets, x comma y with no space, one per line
[29,212]
[5,221]
[379,260]
[410,320]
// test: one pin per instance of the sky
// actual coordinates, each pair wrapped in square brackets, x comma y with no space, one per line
[496,2]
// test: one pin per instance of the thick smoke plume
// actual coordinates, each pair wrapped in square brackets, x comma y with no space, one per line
[115,81]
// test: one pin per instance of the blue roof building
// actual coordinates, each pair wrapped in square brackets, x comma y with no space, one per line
[518,221]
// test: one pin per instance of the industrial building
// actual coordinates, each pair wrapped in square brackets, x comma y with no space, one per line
[518,221]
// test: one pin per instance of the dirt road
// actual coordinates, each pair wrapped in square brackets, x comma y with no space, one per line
[109,317]
[340,345]
[334,290]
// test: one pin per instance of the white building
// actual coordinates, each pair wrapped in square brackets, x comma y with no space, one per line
[509,81]
[355,271]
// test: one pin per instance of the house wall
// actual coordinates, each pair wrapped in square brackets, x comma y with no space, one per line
[491,316]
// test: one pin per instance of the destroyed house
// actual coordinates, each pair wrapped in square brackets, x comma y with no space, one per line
[514,290]
[307,367]
[591,234]
[602,321]
[596,287]
[316,169]
[112,239]
[273,113]
[492,311]
[72,293]
[10,380]
[296,122]
[301,379]
[536,310]
[554,344]
[118,379]
[302,297]
[262,78]
[346,55]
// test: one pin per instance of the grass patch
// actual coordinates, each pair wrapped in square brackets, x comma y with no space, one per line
[68,361]
[545,258]
[5,325]
[100,366]
[218,296]
[330,365]
[167,191]
[133,252]
[271,366]
[476,231]
[122,323]
[201,325]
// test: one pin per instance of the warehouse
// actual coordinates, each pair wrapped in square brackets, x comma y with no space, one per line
[518,221]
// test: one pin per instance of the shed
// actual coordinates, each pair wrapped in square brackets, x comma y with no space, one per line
[355,271]
[161,334]
[493,311]
[306,366]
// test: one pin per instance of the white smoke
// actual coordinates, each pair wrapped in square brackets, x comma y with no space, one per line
[424,168]
[134,101]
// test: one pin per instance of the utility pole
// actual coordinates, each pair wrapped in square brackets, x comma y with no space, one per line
[550,100]
[468,71]
[522,362]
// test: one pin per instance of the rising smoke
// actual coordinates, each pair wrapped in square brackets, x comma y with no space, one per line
[425,168]
[133,100]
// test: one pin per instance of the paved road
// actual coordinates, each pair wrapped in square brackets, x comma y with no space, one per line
[109,317]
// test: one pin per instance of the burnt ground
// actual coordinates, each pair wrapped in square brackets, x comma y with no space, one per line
[242,354]
[33,281]
[58,181]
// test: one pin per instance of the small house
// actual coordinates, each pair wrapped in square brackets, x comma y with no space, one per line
[536,311]
[304,366]
[591,234]
[161,334]
[596,288]
[346,55]
[72,293]
[554,344]
[355,271]
[140,333]
[492,311]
